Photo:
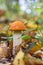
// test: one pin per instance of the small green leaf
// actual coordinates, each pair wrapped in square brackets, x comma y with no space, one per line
[25,37]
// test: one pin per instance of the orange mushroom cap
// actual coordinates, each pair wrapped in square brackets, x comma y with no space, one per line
[17,25]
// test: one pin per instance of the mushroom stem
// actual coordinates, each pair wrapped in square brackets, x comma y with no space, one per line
[16,39]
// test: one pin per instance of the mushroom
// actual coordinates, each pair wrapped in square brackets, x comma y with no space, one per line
[17,27]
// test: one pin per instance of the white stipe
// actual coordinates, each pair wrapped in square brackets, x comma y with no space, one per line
[16,39]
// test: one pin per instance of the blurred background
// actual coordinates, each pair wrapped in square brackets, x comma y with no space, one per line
[17,9]
[22,9]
